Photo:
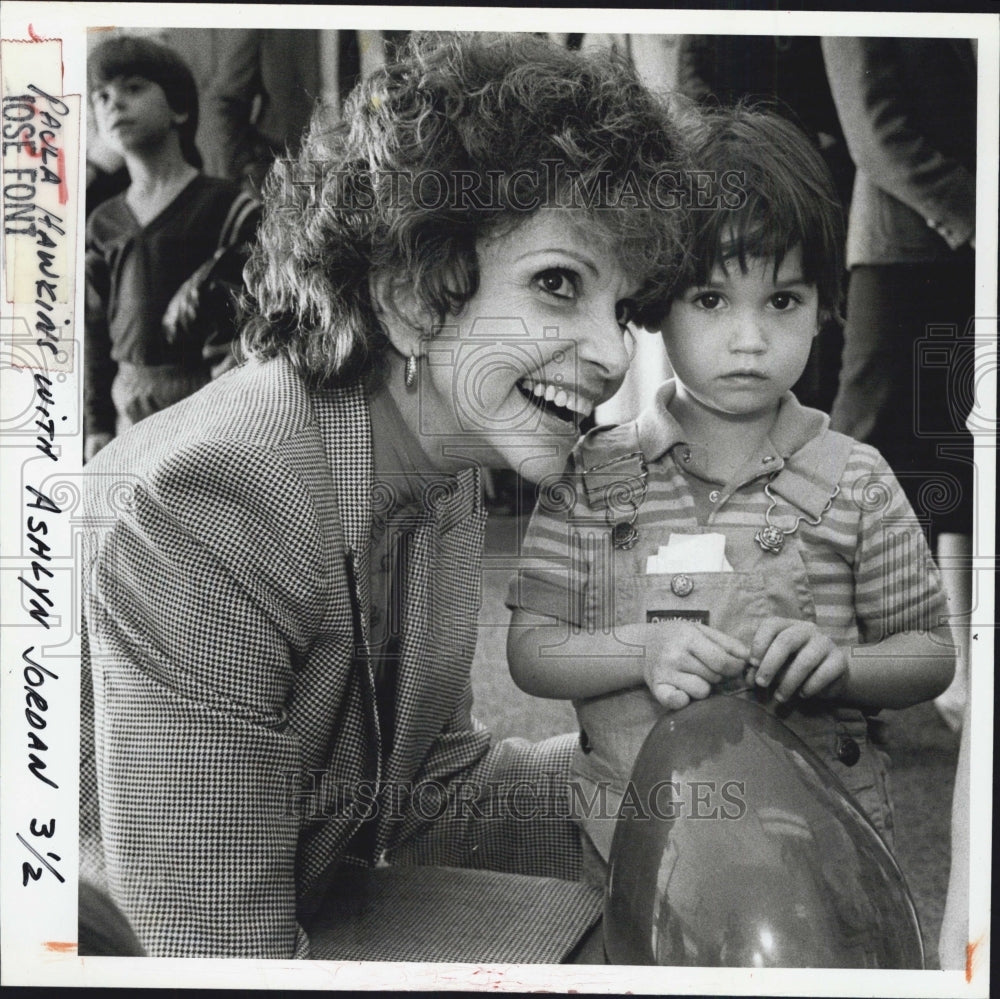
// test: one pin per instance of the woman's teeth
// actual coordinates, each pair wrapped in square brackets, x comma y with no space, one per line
[559,398]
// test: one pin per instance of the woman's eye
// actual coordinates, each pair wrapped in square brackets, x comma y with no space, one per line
[557,282]
[708,300]
[625,312]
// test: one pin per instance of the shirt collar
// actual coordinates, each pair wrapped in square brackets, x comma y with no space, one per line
[794,426]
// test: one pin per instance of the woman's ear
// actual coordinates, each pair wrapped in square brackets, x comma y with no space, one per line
[405,318]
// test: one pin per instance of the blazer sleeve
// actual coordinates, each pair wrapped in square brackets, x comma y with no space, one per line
[883,133]
[202,597]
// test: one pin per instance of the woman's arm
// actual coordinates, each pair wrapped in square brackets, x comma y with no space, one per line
[197,601]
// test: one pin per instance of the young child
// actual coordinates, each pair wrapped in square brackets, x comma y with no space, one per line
[727,539]
[161,256]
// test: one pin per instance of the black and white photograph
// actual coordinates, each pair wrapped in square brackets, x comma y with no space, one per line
[492,507]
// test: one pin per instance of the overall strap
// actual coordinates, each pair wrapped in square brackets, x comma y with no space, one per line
[811,477]
[612,467]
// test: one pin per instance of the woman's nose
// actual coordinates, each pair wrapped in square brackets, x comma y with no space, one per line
[605,344]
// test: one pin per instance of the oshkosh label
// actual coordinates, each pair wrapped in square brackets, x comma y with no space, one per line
[662,616]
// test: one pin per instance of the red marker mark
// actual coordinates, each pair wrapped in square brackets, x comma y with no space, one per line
[33,36]
[60,946]
[970,954]
[63,186]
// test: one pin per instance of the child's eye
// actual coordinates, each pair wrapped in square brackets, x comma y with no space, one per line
[557,282]
[784,300]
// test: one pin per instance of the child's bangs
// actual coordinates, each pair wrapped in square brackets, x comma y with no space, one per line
[762,229]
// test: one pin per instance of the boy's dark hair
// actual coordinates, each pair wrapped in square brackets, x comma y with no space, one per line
[461,137]
[760,188]
[132,55]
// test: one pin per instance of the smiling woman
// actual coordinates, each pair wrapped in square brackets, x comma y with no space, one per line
[281,614]
[530,354]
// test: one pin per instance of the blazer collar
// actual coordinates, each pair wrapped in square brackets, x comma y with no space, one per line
[342,414]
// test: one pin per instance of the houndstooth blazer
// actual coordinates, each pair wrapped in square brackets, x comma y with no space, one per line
[232,746]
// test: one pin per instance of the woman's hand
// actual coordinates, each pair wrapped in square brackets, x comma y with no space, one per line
[808,661]
[685,658]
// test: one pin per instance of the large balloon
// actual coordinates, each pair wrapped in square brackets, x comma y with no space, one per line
[737,847]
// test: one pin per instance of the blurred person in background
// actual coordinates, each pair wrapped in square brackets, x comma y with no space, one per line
[164,258]
[907,107]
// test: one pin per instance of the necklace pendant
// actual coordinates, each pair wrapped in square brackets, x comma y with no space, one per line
[770,538]
[624,536]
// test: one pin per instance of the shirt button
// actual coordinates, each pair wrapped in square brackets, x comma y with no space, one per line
[687,454]
[767,459]
[848,751]
[681,585]
[714,495]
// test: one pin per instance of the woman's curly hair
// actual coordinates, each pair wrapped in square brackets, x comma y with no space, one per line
[462,137]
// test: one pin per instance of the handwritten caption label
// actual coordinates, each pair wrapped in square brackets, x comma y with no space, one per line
[39,142]
[39,164]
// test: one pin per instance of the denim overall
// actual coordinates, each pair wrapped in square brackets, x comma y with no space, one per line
[763,584]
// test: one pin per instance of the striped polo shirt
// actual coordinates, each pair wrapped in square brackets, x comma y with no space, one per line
[867,563]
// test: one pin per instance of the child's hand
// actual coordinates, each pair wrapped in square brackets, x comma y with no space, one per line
[810,660]
[687,659]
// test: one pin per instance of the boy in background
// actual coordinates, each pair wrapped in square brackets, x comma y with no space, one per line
[163,257]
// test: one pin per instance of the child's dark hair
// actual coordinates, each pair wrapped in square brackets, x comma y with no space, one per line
[761,188]
[462,137]
[133,55]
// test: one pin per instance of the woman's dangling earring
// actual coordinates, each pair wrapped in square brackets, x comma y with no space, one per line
[633,343]
[410,375]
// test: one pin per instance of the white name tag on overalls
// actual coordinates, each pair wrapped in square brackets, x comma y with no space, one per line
[690,553]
